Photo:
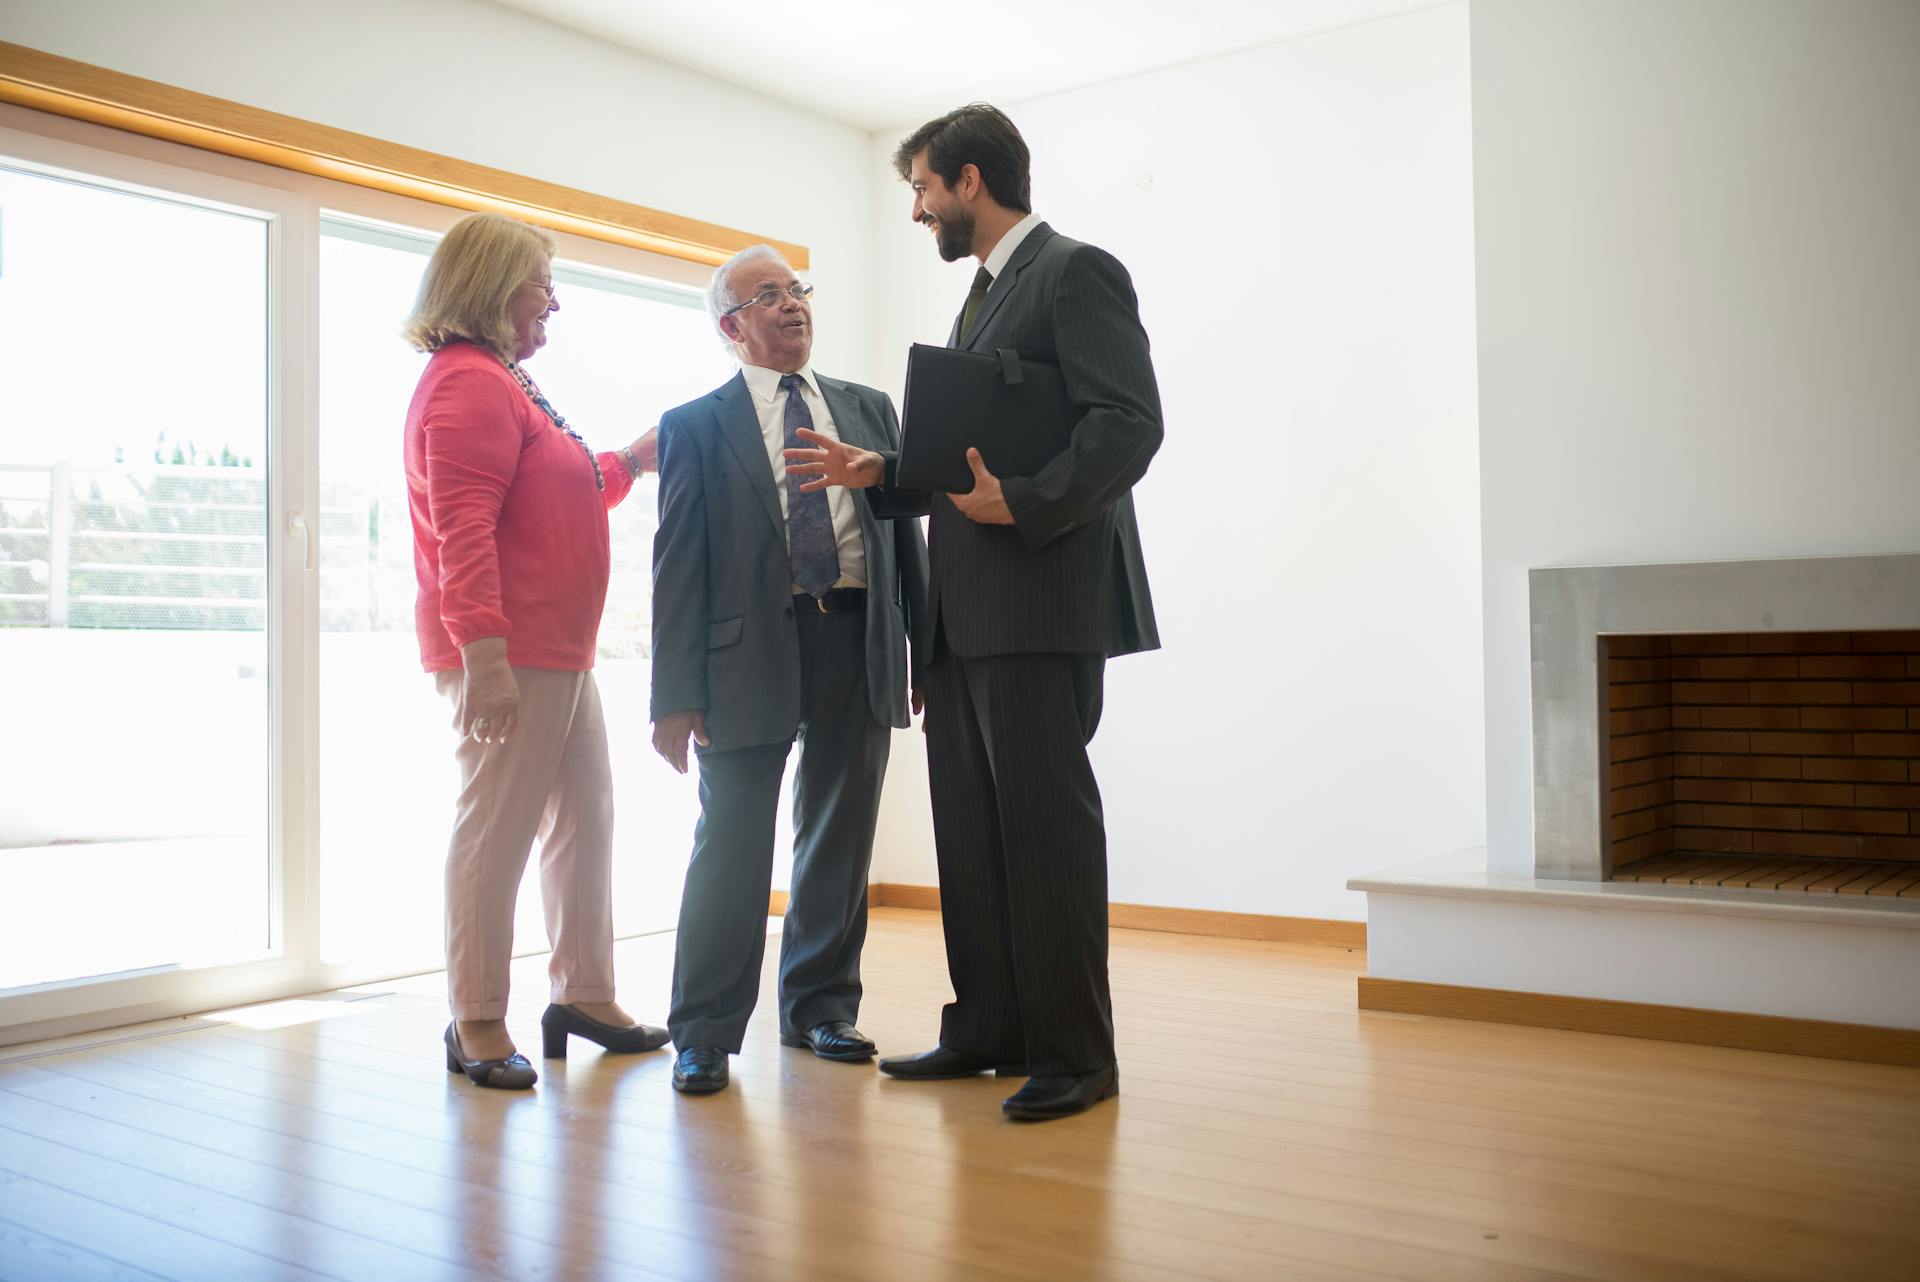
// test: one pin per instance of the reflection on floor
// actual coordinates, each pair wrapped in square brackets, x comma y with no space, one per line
[1267,1129]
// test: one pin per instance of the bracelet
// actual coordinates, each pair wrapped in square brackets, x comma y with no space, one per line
[630,461]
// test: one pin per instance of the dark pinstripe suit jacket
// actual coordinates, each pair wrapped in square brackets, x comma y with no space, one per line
[1067,576]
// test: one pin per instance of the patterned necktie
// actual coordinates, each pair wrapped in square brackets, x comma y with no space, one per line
[976,299]
[810,542]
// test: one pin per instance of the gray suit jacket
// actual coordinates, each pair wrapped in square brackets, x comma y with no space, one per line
[723,626]
[1068,575]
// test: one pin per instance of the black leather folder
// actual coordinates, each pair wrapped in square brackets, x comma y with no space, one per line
[1014,411]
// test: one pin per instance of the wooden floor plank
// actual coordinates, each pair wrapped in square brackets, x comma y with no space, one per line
[131,1240]
[29,1255]
[756,1118]
[181,1192]
[1301,1175]
[1266,1128]
[1232,1071]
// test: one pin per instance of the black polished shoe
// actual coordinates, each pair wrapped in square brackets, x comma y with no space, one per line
[513,1073]
[700,1070]
[941,1064]
[836,1040]
[559,1021]
[1043,1098]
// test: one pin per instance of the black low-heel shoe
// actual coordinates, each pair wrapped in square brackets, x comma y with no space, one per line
[559,1021]
[513,1073]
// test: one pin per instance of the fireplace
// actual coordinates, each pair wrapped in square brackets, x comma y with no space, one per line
[1765,760]
[1718,831]
[1748,725]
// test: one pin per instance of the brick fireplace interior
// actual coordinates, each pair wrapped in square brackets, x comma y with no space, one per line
[1770,761]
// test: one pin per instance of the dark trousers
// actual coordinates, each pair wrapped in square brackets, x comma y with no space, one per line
[1022,848]
[836,802]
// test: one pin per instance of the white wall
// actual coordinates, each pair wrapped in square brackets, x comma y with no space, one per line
[1298,222]
[1698,246]
[500,88]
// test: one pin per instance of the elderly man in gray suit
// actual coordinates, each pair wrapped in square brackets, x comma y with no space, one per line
[778,617]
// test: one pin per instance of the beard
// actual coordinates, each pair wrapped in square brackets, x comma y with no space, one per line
[955,237]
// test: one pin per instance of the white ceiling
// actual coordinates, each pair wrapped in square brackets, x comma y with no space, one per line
[884,64]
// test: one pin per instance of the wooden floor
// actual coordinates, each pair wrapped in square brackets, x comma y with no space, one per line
[1266,1130]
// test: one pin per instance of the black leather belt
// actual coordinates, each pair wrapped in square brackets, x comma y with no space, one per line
[836,600]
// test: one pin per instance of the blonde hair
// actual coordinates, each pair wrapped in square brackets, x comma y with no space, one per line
[470,280]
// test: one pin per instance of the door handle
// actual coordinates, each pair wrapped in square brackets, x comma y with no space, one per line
[308,553]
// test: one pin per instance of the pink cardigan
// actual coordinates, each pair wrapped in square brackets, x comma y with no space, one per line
[509,535]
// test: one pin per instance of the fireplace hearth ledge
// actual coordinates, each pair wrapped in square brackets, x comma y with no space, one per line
[1833,958]
[1463,875]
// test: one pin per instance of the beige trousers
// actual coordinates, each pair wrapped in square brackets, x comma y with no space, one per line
[552,781]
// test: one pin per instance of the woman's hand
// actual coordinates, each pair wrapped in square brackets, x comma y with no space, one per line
[490,698]
[834,463]
[647,450]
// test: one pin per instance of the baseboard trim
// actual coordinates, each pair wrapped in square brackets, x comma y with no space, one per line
[1321,931]
[891,894]
[1176,921]
[1867,1043]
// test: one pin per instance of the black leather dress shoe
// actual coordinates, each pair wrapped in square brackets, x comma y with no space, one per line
[700,1070]
[835,1040]
[560,1021]
[941,1064]
[513,1073]
[1043,1098]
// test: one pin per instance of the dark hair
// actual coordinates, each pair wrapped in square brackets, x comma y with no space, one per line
[979,135]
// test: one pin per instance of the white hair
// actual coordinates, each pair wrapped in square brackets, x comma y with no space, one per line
[720,294]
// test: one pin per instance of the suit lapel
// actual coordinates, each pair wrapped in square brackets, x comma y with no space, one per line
[847,419]
[740,428]
[1003,284]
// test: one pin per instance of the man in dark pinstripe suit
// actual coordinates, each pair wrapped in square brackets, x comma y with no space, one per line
[1036,582]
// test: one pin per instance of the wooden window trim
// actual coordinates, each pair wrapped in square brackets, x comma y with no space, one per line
[82,91]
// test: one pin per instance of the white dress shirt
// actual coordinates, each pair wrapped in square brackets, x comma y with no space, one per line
[997,260]
[770,403]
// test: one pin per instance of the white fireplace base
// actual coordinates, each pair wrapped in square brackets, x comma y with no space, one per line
[1841,958]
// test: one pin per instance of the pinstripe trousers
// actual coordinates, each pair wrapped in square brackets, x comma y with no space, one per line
[1022,849]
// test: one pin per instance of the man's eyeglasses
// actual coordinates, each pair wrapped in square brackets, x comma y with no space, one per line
[771,297]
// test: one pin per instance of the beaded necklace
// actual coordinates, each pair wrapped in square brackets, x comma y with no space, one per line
[546,407]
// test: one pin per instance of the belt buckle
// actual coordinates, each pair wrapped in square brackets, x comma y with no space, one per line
[821,601]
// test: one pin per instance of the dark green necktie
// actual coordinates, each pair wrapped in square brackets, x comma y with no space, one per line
[976,299]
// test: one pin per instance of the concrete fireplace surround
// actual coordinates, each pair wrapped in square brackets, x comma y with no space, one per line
[1447,926]
[1572,608]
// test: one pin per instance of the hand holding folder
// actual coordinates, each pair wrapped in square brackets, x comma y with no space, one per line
[1014,411]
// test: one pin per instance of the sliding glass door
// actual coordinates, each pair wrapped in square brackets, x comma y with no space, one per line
[135,726]
[223,776]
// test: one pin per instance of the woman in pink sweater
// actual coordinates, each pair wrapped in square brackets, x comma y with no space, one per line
[511,551]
